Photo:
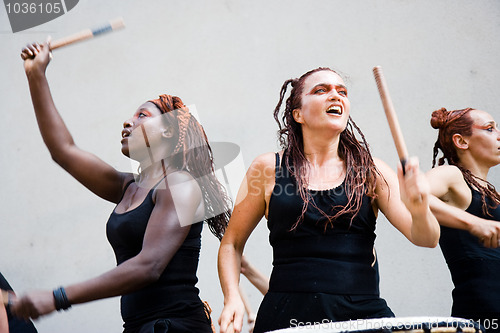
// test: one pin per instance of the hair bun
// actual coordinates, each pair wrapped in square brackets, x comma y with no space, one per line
[439,118]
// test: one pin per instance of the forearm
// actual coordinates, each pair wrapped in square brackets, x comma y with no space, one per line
[130,276]
[259,280]
[450,216]
[229,265]
[424,229]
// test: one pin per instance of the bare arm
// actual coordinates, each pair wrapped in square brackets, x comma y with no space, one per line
[450,197]
[259,280]
[92,172]
[162,239]
[250,207]
[406,205]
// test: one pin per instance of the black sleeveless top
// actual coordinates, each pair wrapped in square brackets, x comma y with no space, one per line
[174,293]
[475,269]
[338,260]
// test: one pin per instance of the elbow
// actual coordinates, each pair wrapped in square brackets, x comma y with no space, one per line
[430,244]
[153,273]
[425,243]
[430,240]
[149,272]
[59,157]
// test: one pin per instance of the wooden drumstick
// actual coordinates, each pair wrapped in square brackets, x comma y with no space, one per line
[88,33]
[392,118]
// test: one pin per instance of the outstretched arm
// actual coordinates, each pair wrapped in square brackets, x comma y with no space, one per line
[163,237]
[92,172]
[450,197]
[406,205]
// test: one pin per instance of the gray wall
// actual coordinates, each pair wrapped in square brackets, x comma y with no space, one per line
[229,58]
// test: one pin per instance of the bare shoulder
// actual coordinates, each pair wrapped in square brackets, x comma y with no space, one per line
[446,176]
[177,177]
[385,170]
[264,160]
[263,166]
[181,185]
[447,183]
[446,172]
[381,165]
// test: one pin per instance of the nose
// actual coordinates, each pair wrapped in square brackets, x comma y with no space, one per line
[128,123]
[334,95]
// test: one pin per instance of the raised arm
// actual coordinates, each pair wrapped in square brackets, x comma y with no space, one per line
[406,205]
[163,237]
[92,172]
[249,209]
[450,197]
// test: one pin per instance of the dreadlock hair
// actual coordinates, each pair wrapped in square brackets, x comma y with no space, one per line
[361,173]
[193,154]
[459,122]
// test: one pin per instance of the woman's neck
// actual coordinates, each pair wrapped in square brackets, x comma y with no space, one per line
[319,151]
[152,174]
[475,168]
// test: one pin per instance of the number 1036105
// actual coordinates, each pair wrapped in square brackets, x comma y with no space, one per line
[33,8]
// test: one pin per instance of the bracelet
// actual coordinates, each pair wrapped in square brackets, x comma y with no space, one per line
[60,299]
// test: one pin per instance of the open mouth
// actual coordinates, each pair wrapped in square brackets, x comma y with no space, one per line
[125,134]
[336,109]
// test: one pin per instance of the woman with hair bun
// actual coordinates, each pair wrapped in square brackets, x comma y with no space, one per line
[468,210]
[321,195]
[155,228]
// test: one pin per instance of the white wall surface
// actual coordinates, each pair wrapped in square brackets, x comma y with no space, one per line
[229,58]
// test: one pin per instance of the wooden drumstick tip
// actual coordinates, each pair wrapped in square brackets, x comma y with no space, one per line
[117,23]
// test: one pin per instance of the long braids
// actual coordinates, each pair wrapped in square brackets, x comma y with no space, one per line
[459,122]
[361,173]
[193,154]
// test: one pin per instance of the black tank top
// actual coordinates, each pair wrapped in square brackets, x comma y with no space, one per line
[174,293]
[310,258]
[475,269]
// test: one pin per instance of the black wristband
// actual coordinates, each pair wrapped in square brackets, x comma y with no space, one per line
[60,299]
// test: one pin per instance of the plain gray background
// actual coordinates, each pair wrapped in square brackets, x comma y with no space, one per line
[229,59]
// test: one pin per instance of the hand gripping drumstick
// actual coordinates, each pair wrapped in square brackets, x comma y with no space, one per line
[88,33]
[392,118]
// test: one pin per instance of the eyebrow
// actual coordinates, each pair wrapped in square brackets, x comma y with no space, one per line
[329,85]
[488,123]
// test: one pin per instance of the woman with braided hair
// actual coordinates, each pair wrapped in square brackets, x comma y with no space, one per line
[468,210]
[320,195]
[155,228]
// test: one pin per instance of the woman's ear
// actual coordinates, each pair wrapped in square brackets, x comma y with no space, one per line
[168,132]
[460,142]
[297,115]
